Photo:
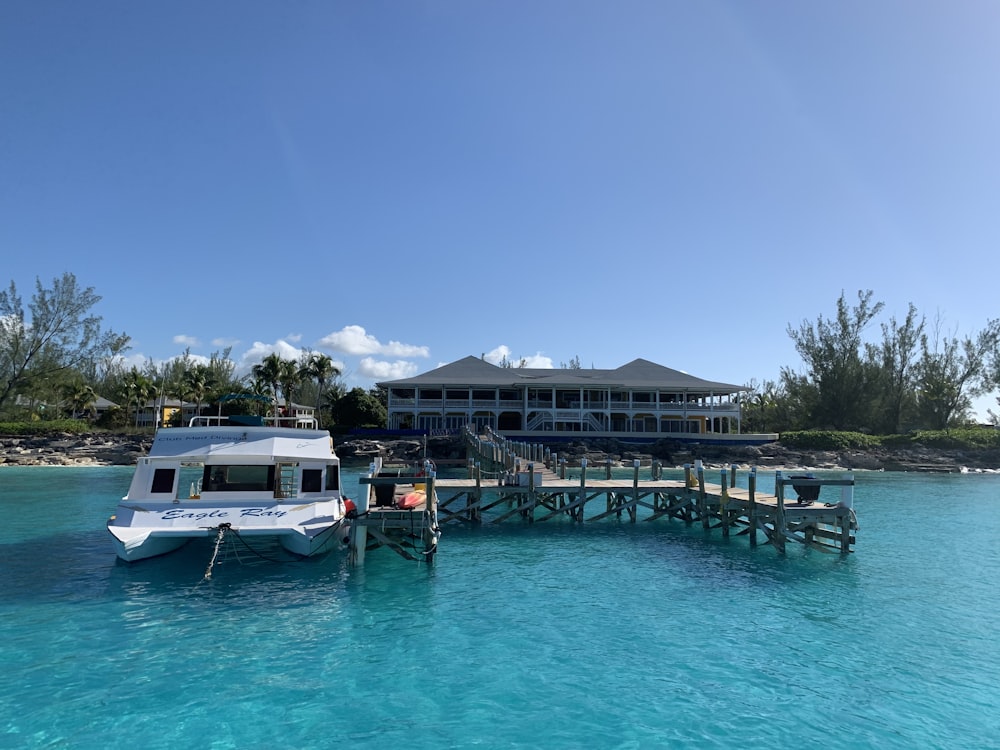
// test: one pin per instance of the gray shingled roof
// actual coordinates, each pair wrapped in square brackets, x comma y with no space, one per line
[639,373]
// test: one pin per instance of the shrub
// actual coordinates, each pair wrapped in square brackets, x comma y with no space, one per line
[827,440]
[75,426]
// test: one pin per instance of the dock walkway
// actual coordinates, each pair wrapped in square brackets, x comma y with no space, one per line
[510,480]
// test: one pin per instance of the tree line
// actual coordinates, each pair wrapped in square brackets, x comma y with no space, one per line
[913,374]
[56,359]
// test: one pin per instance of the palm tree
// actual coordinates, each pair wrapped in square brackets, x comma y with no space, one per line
[196,382]
[257,386]
[80,398]
[138,388]
[269,370]
[289,378]
[320,368]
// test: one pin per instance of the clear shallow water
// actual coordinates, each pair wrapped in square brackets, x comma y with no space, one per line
[610,635]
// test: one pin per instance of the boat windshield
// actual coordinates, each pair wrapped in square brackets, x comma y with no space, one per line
[237,478]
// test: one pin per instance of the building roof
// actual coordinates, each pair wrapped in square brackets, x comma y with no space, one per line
[639,373]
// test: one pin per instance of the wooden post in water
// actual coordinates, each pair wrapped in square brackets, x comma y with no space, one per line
[702,497]
[778,537]
[474,506]
[529,512]
[578,513]
[752,510]
[724,504]
[611,497]
[430,518]
[634,508]
[359,532]
[732,475]
[846,505]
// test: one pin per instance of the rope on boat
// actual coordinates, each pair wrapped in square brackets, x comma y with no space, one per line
[220,535]
[225,527]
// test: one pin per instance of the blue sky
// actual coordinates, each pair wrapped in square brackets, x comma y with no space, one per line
[402,184]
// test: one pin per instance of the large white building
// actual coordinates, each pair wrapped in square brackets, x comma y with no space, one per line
[638,400]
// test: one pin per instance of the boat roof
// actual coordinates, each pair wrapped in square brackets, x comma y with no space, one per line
[258,442]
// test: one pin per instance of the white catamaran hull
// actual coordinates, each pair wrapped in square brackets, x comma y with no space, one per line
[305,530]
[247,482]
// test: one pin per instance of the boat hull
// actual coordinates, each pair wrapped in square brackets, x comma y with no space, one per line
[251,482]
[307,529]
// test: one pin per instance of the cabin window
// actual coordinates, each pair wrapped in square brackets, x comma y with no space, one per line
[163,480]
[312,480]
[333,478]
[225,478]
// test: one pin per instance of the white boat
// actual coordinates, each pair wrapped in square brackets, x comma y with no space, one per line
[278,482]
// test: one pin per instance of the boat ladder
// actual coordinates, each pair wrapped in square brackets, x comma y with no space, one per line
[285,486]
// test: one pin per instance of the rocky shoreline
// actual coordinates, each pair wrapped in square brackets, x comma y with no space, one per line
[94,449]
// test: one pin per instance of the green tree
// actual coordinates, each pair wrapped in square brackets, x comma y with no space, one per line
[358,408]
[59,334]
[196,383]
[761,405]
[951,372]
[897,357]
[137,389]
[319,367]
[832,352]
[79,399]
[289,377]
[269,371]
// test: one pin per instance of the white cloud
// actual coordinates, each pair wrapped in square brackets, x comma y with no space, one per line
[197,359]
[224,341]
[294,337]
[136,360]
[355,340]
[256,353]
[378,370]
[184,340]
[538,361]
[496,356]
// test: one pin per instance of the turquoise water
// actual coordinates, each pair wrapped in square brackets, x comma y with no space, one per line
[609,635]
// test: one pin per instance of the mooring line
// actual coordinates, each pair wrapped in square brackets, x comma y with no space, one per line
[222,529]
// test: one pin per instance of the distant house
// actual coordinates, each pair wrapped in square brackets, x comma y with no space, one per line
[98,407]
[102,405]
[299,411]
[640,399]
[159,411]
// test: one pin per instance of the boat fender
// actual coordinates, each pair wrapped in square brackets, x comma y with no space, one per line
[350,509]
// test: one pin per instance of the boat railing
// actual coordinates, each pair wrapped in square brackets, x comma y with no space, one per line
[301,422]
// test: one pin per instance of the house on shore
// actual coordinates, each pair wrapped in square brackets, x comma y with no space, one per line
[639,401]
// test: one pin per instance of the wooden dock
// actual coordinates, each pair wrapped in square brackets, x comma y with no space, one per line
[514,480]
[519,482]
[383,518]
